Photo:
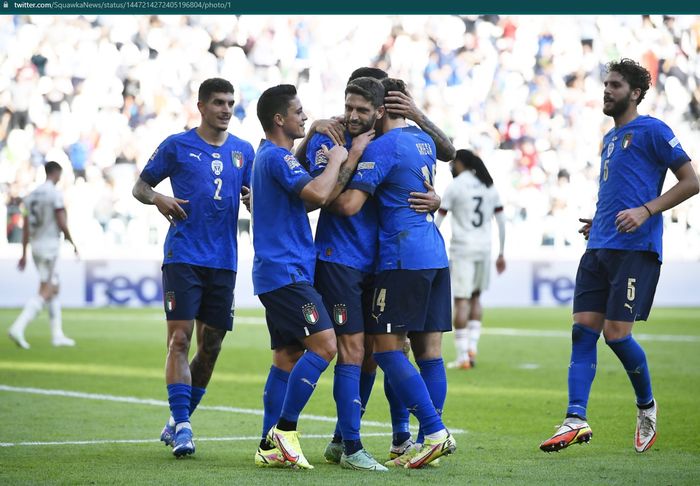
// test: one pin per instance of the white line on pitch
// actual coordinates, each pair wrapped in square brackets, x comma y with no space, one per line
[151,441]
[163,403]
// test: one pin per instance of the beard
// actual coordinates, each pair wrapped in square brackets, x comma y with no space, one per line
[619,107]
[361,127]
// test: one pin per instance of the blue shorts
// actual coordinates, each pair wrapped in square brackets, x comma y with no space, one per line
[618,283]
[411,301]
[347,294]
[202,293]
[294,312]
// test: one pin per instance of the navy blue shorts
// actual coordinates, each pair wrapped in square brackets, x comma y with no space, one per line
[411,301]
[294,312]
[618,283]
[347,294]
[202,293]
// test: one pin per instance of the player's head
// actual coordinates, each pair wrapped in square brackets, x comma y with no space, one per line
[393,84]
[364,104]
[53,170]
[215,103]
[279,108]
[368,72]
[625,83]
[468,160]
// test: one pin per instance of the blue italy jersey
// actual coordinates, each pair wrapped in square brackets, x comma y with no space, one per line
[210,177]
[284,246]
[634,162]
[349,241]
[391,167]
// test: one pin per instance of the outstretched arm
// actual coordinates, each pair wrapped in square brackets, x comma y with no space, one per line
[168,206]
[403,104]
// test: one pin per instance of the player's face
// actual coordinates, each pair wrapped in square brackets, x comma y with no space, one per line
[617,95]
[294,120]
[217,110]
[360,115]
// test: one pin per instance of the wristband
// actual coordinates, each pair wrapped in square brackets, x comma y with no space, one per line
[648,210]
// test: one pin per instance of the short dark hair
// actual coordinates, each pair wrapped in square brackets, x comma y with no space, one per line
[393,84]
[52,167]
[368,72]
[473,162]
[369,88]
[634,73]
[273,101]
[211,86]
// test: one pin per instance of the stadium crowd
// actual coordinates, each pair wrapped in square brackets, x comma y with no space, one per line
[96,94]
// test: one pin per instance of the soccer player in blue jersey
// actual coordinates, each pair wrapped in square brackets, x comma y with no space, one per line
[618,273]
[301,332]
[208,169]
[346,248]
[412,287]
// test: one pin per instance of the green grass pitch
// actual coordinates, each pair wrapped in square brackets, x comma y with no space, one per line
[93,413]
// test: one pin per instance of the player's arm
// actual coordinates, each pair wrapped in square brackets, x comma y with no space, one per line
[349,202]
[62,222]
[501,222]
[318,191]
[25,242]
[332,128]
[687,186]
[403,104]
[425,202]
[168,206]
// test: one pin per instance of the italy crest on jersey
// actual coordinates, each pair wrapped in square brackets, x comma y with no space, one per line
[340,314]
[310,313]
[237,158]
[169,301]
[217,166]
[627,140]
[611,147]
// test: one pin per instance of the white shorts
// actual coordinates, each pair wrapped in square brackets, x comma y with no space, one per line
[469,274]
[46,268]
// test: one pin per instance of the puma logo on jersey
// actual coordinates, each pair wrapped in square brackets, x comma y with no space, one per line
[196,156]
[629,307]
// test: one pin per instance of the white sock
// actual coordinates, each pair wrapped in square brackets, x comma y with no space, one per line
[439,435]
[474,328]
[171,421]
[29,312]
[182,425]
[462,344]
[55,319]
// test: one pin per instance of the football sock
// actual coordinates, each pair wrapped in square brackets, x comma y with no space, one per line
[366,384]
[584,359]
[632,356]
[351,446]
[433,373]
[346,392]
[410,388]
[179,399]
[31,308]
[55,321]
[474,328]
[302,382]
[399,413]
[462,344]
[196,397]
[273,396]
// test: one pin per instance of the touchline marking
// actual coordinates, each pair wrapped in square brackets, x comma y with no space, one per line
[156,441]
[163,403]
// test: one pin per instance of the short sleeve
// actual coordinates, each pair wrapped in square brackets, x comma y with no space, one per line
[448,198]
[160,165]
[372,169]
[668,148]
[288,172]
[314,153]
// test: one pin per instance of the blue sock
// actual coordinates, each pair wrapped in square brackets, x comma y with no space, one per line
[435,378]
[196,397]
[399,414]
[366,384]
[346,392]
[302,382]
[273,396]
[632,356]
[584,359]
[179,396]
[410,388]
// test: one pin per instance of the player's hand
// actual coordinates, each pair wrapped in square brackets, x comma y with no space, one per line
[170,208]
[402,104]
[628,220]
[360,142]
[585,230]
[332,128]
[500,264]
[336,155]
[425,202]
[22,264]
[245,197]
[75,252]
